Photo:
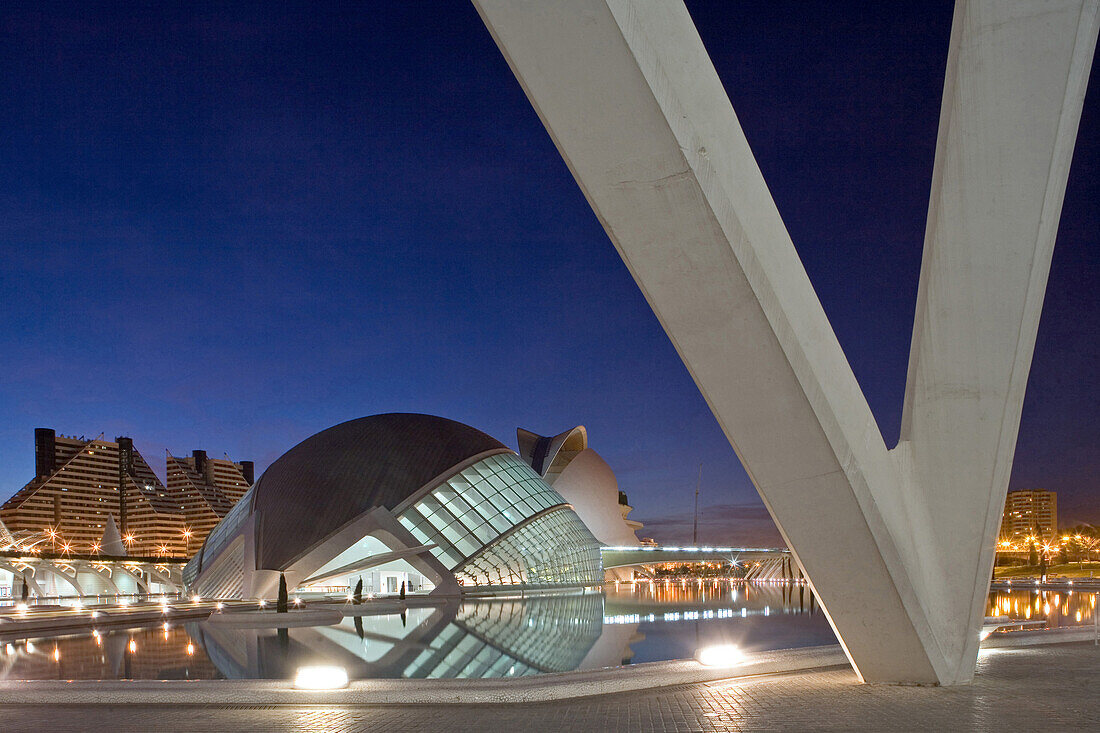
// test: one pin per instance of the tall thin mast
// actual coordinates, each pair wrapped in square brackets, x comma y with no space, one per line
[695,521]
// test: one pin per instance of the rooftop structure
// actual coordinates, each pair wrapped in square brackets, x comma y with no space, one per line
[432,502]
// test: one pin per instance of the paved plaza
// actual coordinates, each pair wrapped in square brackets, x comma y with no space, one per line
[1031,688]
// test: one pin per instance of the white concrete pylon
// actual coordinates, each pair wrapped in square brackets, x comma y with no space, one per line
[897,543]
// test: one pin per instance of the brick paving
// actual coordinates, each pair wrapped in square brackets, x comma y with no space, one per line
[1032,688]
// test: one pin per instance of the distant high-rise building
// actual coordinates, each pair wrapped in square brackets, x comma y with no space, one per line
[1030,513]
[206,489]
[77,489]
[75,497]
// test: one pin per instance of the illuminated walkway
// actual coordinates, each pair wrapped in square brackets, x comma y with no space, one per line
[1032,688]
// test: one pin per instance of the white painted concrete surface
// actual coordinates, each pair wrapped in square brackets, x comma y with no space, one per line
[897,543]
[589,484]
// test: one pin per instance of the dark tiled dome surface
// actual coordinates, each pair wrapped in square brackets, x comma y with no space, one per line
[334,476]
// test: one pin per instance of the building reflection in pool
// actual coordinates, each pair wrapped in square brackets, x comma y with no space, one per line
[434,637]
[498,637]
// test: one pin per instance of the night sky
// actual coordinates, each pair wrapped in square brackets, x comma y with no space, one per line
[228,226]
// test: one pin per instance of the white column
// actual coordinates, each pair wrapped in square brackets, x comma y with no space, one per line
[897,544]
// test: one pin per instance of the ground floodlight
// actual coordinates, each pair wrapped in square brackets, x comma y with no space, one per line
[321,678]
[722,655]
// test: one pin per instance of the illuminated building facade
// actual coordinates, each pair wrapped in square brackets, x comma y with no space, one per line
[205,489]
[74,500]
[76,490]
[1027,510]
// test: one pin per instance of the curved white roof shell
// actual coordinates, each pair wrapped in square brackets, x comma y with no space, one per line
[583,479]
[589,484]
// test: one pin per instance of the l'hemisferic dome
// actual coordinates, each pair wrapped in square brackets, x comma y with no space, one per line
[416,499]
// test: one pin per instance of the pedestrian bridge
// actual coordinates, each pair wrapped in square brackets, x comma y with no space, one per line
[757,561]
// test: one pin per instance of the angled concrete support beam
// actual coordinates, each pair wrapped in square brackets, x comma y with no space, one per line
[106,575]
[27,577]
[58,571]
[898,544]
[164,579]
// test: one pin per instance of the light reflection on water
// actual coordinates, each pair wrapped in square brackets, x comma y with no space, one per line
[1054,608]
[497,637]
[675,618]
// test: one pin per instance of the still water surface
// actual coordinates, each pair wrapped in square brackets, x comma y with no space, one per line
[498,637]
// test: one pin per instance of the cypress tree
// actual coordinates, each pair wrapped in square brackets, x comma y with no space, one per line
[358,597]
[401,595]
[281,606]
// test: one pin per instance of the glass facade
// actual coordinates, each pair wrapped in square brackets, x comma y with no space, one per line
[218,537]
[493,497]
[553,549]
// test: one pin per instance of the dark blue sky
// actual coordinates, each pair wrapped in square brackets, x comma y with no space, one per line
[228,226]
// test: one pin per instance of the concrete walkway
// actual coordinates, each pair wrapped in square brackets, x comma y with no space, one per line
[1030,688]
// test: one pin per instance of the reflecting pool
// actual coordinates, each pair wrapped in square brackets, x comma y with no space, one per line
[488,637]
[499,636]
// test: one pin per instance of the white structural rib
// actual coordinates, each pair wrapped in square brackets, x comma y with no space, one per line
[1015,84]
[897,544]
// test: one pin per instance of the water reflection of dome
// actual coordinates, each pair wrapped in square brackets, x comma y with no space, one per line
[432,502]
[482,638]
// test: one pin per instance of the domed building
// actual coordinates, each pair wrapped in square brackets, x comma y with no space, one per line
[396,499]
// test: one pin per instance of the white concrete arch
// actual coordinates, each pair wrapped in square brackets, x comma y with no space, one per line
[58,571]
[28,578]
[163,578]
[136,576]
[898,544]
[105,574]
